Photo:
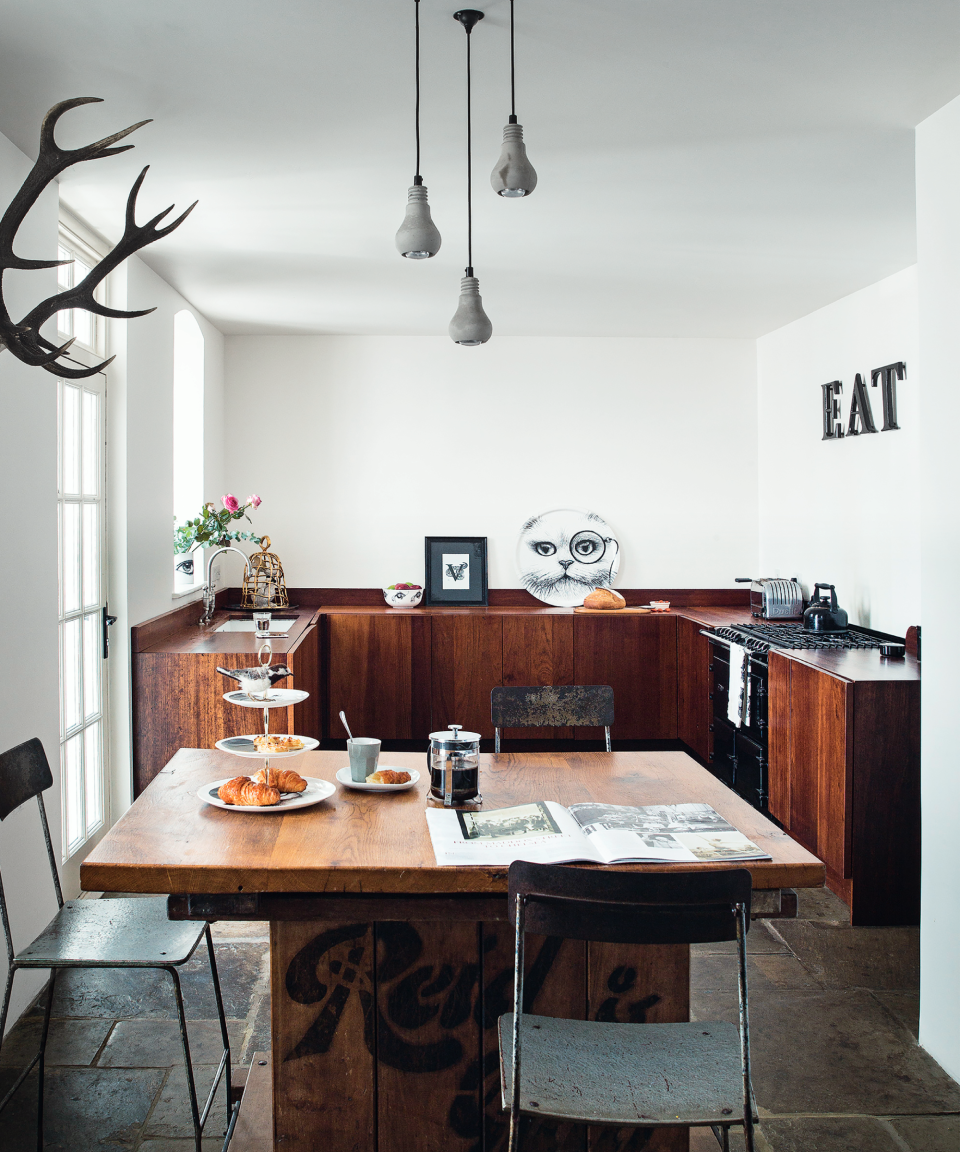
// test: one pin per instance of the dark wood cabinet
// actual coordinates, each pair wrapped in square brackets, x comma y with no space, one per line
[845,778]
[377,670]
[693,687]
[637,657]
[466,663]
[537,649]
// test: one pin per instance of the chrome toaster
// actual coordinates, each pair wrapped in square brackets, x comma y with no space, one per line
[773,598]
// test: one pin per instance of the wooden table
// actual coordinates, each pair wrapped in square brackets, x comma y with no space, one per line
[388,973]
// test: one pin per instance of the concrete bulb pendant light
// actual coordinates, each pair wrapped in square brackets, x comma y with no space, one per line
[418,238]
[513,175]
[470,325]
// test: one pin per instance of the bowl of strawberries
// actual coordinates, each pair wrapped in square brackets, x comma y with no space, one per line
[403,595]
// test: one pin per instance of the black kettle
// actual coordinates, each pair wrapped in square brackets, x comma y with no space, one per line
[823,615]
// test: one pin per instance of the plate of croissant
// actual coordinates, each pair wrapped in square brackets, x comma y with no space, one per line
[383,780]
[284,790]
[276,745]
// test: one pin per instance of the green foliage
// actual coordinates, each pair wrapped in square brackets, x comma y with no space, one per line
[210,528]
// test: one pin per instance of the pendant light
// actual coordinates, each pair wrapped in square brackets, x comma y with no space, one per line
[470,325]
[418,237]
[514,175]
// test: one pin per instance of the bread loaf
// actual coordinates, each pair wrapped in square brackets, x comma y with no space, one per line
[604,599]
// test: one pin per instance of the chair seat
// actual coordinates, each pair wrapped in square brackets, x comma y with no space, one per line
[112,933]
[630,1074]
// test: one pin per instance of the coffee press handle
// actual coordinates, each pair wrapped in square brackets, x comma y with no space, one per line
[448,770]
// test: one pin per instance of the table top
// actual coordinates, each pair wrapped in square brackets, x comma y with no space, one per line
[169,841]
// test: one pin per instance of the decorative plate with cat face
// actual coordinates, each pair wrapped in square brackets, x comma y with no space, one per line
[564,554]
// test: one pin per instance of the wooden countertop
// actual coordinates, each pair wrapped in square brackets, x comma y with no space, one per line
[189,637]
[169,841]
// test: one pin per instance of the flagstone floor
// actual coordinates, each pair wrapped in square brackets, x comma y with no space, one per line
[833,1017]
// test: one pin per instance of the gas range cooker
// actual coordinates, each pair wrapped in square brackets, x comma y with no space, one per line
[763,637]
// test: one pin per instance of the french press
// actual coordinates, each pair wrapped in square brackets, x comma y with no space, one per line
[454,763]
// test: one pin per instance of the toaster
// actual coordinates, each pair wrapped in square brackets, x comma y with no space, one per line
[773,598]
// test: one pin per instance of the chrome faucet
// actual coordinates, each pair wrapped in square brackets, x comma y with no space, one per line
[209,595]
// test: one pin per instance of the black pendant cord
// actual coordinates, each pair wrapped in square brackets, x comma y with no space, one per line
[513,76]
[418,179]
[469,167]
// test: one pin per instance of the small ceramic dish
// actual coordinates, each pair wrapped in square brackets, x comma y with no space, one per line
[244,746]
[315,791]
[660,605]
[348,782]
[402,597]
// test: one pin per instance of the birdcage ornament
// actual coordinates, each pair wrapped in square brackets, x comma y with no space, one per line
[263,584]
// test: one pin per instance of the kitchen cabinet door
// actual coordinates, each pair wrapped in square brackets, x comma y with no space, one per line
[637,657]
[377,671]
[694,657]
[537,649]
[467,661]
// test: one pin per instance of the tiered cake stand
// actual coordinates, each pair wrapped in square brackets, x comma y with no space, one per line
[244,746]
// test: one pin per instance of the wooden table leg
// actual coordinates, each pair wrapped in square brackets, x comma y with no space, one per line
[385,1038]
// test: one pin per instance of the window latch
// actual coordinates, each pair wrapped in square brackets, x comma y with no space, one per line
[106,621]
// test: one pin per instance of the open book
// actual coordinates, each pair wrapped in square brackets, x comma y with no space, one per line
[547,833]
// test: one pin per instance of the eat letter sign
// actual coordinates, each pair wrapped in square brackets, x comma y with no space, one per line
[861,414]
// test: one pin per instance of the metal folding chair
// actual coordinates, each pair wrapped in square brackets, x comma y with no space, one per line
[628,1075]
[552,706]
[99,934]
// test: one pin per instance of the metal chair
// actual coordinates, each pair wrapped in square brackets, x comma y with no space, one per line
[590,1072]
[552,706]
[99,934]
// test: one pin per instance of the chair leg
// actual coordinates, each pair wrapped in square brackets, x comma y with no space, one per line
[44,1031]
[606,733]
[188,1063]
[496,741]
[220,1013]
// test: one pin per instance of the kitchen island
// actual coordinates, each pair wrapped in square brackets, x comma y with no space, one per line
[388,973]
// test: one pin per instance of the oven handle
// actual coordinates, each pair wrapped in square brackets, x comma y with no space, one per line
[753,657]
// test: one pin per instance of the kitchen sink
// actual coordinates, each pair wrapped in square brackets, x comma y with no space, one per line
[277,624]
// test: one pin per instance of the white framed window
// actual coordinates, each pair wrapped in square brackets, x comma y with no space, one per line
[88,329]
[188,385]
[82,605]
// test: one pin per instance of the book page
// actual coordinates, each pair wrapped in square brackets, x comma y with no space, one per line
[542,831]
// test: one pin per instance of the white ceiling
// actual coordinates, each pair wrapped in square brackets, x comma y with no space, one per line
[707,167]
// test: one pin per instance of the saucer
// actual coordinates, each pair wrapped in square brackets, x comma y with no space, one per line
[348,782]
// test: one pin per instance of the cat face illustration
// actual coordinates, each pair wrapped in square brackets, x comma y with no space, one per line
[564,554]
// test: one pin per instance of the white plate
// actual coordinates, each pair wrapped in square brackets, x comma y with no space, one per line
[225,746]
[316,791]
[348,782]
[276,698]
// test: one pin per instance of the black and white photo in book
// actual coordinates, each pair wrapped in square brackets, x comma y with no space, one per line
[455,570]
[564,554]
[547,833]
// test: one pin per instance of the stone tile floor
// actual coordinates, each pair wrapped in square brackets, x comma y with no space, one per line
[833,1017]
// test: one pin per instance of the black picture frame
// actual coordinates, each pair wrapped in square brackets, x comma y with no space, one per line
[442,577]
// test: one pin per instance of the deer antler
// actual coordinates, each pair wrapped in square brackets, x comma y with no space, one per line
[24,339]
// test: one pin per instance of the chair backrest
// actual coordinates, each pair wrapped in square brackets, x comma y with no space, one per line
[24,773]
[630,907]
[552,706]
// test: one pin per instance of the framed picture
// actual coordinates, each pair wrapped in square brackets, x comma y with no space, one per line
[456,570]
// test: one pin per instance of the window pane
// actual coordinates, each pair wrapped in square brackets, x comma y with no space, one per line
[91,664]
[70,672]
[83,326]
[90,444]
[92,778]
[65,271]
[70,557]
[65,322]
[72,764]
[70,437]
[91,555]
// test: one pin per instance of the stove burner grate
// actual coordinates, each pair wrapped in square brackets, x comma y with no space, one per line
[763,637]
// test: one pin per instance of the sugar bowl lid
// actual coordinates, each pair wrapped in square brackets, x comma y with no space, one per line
[453,738]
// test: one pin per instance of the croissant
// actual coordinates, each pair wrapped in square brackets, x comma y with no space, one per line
[388,776]
[283,779]
[241,790]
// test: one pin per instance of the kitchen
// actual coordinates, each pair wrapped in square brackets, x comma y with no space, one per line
[713,465]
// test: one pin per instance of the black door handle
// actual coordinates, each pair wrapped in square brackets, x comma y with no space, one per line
[106,620]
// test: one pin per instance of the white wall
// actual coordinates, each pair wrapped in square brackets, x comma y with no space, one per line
[361,446]
[938,250]
[844,512]
[28,529]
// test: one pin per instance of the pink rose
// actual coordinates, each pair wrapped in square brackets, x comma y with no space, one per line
[255,500]
[231,503]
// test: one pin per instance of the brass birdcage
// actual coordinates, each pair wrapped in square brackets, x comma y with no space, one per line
[264,585]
